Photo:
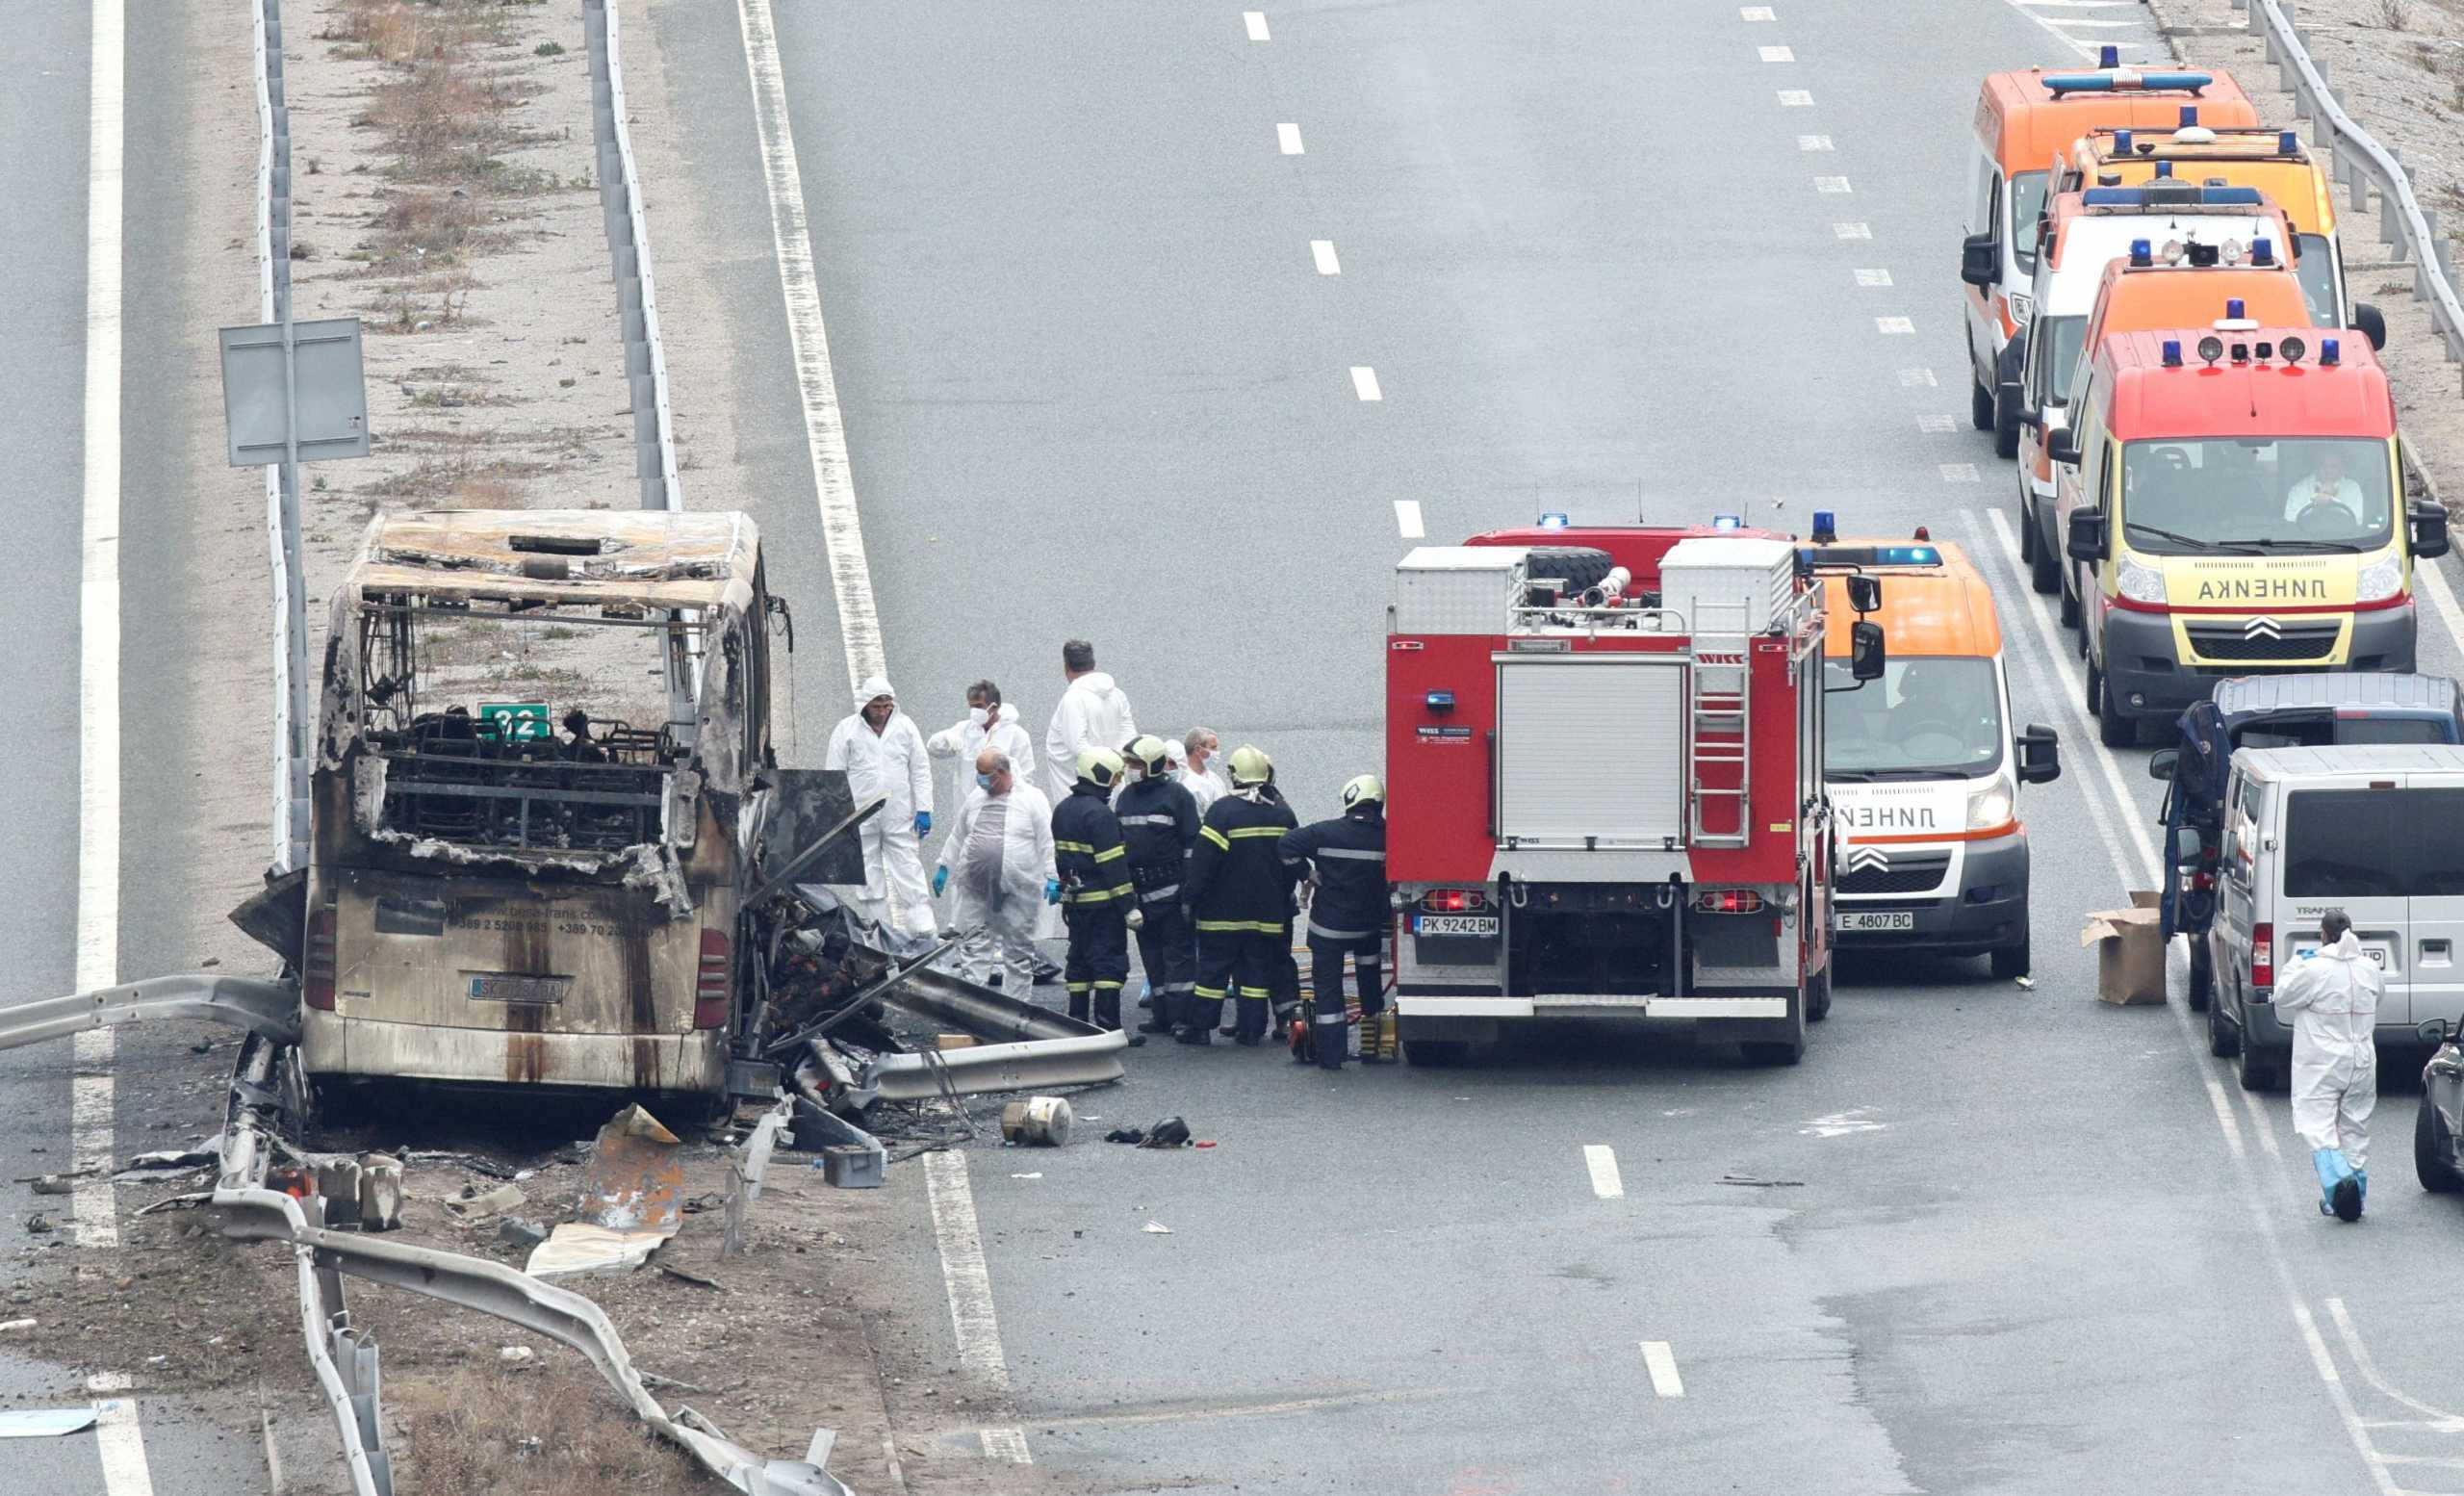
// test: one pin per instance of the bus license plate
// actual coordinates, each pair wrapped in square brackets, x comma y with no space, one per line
[1878,919]
[1480,926]
[509,987]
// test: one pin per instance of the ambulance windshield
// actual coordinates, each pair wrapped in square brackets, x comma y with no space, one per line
[2315,266]
[2027,200]
[1928,717]
[2321,492]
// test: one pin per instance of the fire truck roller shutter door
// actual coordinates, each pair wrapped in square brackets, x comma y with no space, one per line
[1591,748]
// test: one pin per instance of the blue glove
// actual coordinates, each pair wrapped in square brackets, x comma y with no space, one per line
[941,880]
[923,822]
[1052,890]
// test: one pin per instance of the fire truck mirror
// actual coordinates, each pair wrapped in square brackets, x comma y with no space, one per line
[1865,593]
[1865,657]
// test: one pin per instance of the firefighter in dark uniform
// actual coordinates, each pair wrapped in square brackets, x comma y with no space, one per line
[1159,824]
[1348,915]
[1096,900]
[1239,892]
[1287,981]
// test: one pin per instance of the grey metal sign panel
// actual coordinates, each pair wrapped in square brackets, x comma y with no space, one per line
[322,381]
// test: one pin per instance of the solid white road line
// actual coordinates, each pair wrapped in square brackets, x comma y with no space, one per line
[91,1104]
[1873,277]
[1323,250]
[842,530]
[2077,5]
[2071,41]
[119,1443]
[1890,326]
[2352,1337]
[1661,1362]
[1256,22]
[1287,137]
[1795,98]
[2070,21]
[973,1319]
[2262,1202]
[1364,382]
[1777,54]
[1407,518]
[1602,1160]
[2428,579]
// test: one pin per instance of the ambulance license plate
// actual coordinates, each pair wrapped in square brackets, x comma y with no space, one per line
[1480,926]
[1878,919]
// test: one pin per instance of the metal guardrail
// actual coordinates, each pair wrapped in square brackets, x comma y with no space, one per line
[628,243]
[292,715]
[2404,225]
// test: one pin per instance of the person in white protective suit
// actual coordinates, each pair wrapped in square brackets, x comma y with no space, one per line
[990,722]
[997,863]
[2332,997]
[883,755]
[1092,713]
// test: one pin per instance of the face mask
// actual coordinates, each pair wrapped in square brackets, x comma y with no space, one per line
[977,716]
[984,781]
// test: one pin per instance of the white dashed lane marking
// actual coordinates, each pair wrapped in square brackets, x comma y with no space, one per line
[1873,277]
[1777,54]
[1959,472]
[1256,22]
[1602,1160]
[1755,12]
[1831,184]
[1323,250]
[1893,326]
[1364,382]
[1852,230]
[1916,378]
[1795,98]
[1407,518]
[1661,1362]
[1288,136]
[1814,142]
[1938,424]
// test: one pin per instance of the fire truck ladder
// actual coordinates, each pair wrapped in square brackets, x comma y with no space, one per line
[1720,729]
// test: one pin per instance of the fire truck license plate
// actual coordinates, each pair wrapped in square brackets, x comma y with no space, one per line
[1484,926]
[1878,919]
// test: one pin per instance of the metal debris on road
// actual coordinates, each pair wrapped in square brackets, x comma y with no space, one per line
[1041,1122]
[55,1184]
[478,1204]
[1158,1228]
[38,1225]
[1749,1181]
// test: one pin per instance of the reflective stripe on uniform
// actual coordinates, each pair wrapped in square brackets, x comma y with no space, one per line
[1215,836]
[1255,993]
[1112,852]
[1239,927]
[1352,854]
[1159,896]
[1102,986]
[1331,1018]
[1073,846]
[1096,896]
[1258,831]
[1324,934]
[1075,987]
[1144,820]
[1210,993]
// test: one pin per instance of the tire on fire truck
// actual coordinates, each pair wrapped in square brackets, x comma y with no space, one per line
[1576,567]
[1818,995]
[1436,1053]
[1780,1051]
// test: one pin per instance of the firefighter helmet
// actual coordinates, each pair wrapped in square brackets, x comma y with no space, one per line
[1100,767]
[1250,765]
[1152,755]
[1364,789]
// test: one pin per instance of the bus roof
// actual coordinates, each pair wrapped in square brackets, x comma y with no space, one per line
[2026,124]
[1939,610]
[646,559]
[2195,400]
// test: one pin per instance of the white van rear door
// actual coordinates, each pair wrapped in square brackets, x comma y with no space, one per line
[2343,844]
[2434,816]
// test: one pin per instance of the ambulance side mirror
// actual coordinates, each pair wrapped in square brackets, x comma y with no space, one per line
[2039,755]
[2063,446]
[1866,656]
[1865,593]
[2429,522]
[2370,324]
[1980,260]
[2432,1031]
[2087,538]
[2188,847]
[2162,765]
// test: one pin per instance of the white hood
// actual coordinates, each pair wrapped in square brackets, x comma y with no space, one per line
[874,687]
[2348,947]
[1008,713]
[1096,683]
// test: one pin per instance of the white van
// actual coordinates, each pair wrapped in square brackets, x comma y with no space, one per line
[2376,831]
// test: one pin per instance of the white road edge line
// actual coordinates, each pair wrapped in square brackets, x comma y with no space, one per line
[1407,518]
[1287,137]
[2442,597]
[972,1318]
[1364,382]
[2352,1337]
[842,529]
[1602,1160]
[1256,22]
[90,1098]
[1323,250]
[2263,1212]
[119,1442]
[2050,30]
[1661,1362]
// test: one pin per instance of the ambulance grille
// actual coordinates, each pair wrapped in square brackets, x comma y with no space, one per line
[1905,872]
[2290,641]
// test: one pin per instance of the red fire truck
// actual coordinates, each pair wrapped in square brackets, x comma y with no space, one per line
[1603,753]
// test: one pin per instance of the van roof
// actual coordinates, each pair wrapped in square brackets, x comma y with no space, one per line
[2373,690]
[2197,400]
[652,558]
[2067,218]
[2026,124]
[2135,296]
[2238,157]
[1939,610]
[2275,764]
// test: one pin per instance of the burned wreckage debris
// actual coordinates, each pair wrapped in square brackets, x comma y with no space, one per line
[640,907]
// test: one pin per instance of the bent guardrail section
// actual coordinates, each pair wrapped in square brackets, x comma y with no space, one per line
[292,713]
[628,247]
[2404,225]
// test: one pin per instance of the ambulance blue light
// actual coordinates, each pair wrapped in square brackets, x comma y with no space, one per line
[2109,56]
[2172,352]
[2141,252]
[2059,83]
[1552,521]
[2189,116]
[2164,168]
[2331,351]
[1727,522]
[2287,143]
[2233,309]
[2262,251]
[1907,556]
[1826,527]
[2122,143]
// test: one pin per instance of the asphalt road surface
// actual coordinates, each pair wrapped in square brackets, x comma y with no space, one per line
[147,1441]
[1100,377]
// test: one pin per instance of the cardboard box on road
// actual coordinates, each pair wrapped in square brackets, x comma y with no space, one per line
[2130,951]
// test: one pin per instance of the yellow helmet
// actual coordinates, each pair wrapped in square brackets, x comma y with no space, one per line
[1150,753]
[1101,767]
[1364,789]
[1251,764]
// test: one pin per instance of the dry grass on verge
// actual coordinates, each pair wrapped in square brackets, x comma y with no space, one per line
[544,1431]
